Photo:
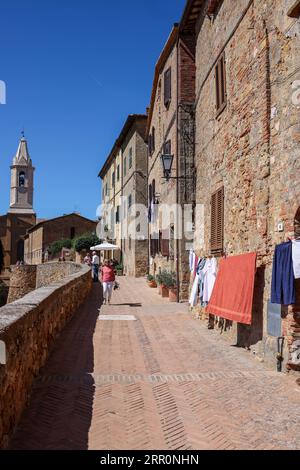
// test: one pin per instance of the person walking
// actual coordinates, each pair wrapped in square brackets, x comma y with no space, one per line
[95,266]
[108,279]
[87,260]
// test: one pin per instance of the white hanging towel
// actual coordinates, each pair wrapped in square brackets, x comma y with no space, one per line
[210,274]
[296,258]
[191,260]
[194,294]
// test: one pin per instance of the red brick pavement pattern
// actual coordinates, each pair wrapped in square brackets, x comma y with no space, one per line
[161,382]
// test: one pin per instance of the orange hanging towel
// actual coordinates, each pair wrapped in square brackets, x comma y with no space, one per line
[232,296]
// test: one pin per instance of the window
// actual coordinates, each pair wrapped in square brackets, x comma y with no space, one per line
[129,201]
[164,244]
[217,221]
[129,242]
[118,173]
[294,11]
[124,169]
[113,178]
[72,233]
[130,158]
[21,179]
[154,244]
[118,215]
[106,190]
[168,87]
[153,139]
[167,148]
[150,193]
[153,190]
[220,80]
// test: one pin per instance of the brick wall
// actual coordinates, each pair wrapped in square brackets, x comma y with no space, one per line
[28,328]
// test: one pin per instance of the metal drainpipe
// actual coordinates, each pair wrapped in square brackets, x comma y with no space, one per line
[177,172]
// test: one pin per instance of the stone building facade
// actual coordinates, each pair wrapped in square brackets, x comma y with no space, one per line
[21,215]
[124,185]
[39,237]
[170,131]
[247,143]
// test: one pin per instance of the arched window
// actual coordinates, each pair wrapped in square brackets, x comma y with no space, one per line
[21,179]
[297,224]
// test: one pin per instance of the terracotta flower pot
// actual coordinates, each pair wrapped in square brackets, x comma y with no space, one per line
[164,291]
[173,294]
[152,284]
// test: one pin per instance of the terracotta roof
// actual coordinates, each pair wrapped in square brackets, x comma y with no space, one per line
[132,118]
[46,221]
[172,39]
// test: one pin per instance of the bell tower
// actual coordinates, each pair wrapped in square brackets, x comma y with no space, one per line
[21,187]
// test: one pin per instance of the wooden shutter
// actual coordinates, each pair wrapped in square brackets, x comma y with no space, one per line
[167,87]
[220,83]
[153,190]
[165,251]
[217,221]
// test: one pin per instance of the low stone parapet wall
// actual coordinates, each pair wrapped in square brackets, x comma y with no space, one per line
[28,330]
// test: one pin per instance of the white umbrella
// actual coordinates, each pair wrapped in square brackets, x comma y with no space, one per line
[105,247]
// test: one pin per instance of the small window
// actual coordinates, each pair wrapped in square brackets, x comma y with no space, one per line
[220,82]
[168,87]
[153,190]
[113,179]
[150,193]
[129,242]
[129,201]
[153,139]
[294,11]
[118,173]
[118,215]
[72,233]
[130,158]
[124,169]
[21,179]
[217,221]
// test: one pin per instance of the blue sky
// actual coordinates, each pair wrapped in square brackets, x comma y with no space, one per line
[74,70]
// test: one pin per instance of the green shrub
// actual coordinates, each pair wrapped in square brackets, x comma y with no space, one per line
[167,278]
[85,242]
[150,278]
[57,246]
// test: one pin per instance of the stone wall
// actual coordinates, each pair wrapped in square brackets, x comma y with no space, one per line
[22,281]
[252,147]
[28,328]
[26,278]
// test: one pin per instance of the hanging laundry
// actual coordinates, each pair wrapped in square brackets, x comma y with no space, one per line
[232,297]
[283,279]
[296,258]
[195,265]
[194,293]
[191,260]
[209,278]
[200,267]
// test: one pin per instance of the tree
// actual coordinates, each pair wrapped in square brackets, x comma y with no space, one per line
[58,245]
[85,242]
[1,257]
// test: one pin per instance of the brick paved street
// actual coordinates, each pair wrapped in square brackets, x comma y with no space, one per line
[161,382]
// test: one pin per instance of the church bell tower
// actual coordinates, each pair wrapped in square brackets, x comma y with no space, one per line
[21,187]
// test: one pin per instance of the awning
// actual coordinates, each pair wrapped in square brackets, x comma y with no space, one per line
[232,296]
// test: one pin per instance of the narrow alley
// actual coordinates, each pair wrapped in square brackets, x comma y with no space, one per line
[154,378]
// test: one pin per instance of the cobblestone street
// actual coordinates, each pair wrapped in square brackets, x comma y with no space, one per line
[162,381]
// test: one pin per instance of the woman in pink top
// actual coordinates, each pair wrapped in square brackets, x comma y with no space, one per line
[108,279]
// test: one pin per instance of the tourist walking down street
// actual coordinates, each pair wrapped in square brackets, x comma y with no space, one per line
[95,266]
[88,260]
[108,279]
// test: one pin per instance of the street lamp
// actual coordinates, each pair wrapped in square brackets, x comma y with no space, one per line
[167,162]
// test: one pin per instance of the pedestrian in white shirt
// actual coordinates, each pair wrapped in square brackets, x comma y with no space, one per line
[95,266]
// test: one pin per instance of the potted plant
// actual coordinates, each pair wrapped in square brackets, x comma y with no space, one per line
[165,279]
[119,269]
[170,281]
[159,283]
[151,281]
